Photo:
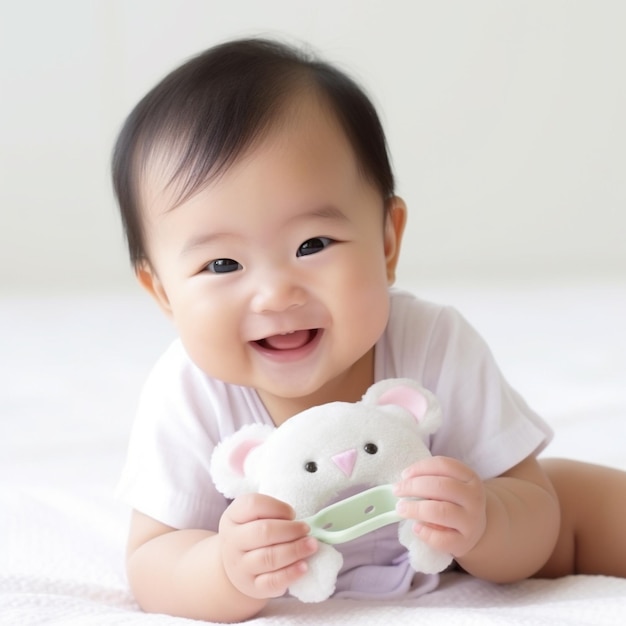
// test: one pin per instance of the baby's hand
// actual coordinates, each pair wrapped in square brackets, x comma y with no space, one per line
[263,547]
[451,515]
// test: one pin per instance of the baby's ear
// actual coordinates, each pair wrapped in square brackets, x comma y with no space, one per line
[229,468]
[406,393]
[149,280]
[395,222]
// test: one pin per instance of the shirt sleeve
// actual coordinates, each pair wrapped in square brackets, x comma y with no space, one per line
[486,423]
[166,475]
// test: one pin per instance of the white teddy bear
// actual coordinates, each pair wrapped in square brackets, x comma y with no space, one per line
[329,450]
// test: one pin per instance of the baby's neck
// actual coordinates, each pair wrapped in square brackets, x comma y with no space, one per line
[349,387]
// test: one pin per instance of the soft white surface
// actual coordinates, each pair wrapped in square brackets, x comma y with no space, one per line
[70,369]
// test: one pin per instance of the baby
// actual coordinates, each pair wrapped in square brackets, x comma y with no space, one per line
[258,203]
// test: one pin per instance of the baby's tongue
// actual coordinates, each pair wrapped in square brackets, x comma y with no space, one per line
[288,342]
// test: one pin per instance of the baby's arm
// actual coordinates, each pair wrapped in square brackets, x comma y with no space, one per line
[503,529]
[224,577]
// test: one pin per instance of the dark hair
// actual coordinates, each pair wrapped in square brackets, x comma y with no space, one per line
[211,109]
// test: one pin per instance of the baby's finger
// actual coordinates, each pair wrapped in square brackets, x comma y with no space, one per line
[275,584]
[440,538]
[256,506]
[439,466]
[444,526]
[269,532]
[435,488]
[433,513]
[274,558]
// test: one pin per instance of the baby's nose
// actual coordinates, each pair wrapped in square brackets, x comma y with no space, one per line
[277,292]
[345,461]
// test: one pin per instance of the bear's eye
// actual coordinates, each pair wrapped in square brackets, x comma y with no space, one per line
[311,467]
[370,448]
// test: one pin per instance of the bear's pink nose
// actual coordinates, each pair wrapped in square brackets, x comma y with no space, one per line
[345,461]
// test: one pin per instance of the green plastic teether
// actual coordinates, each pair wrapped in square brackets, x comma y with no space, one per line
[355,516]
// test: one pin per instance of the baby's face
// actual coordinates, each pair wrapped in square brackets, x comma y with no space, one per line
[276,275]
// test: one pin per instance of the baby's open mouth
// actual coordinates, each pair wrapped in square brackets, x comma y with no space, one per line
[289,341]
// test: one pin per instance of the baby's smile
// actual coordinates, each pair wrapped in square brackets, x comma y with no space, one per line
[292,340]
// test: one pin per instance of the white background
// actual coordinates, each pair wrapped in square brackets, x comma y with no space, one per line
[506,122]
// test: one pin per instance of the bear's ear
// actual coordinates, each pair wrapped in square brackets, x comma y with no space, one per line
[406,393]
[229,469]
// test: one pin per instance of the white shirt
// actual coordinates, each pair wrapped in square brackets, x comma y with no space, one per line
[183,414]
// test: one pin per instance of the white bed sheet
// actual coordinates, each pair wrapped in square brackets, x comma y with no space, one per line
[70,370]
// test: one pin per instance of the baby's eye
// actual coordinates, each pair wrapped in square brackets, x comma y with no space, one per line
[223,266]
[313,245]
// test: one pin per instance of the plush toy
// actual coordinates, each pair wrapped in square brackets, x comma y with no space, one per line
[327,451]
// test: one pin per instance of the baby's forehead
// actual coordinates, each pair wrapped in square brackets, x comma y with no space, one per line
[171,172]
